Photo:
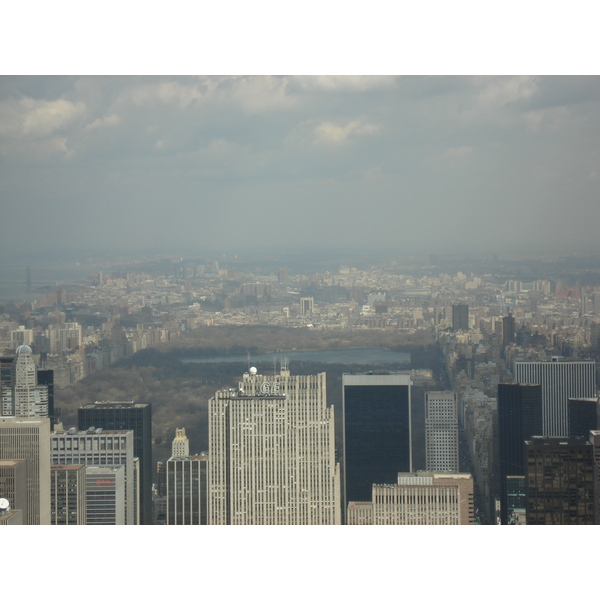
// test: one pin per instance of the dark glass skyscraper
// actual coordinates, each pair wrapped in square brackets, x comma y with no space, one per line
[584,416]
[377,432]
[460,317]
[46,377]
[508,331]
[123,415]
[560,481]
[519,418]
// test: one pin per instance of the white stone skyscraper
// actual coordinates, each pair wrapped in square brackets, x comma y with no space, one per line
[24,397]
[441,431]
[30,439]
[181,444]
[272,453]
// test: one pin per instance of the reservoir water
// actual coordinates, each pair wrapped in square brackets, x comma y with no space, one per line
[352,356]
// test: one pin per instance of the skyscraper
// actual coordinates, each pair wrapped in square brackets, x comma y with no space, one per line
[30,439]
[13,484]
[24,397]
[181,444]
[508,331]
[560,481]
[441,431]
[272,453]
[186,490]
[376,431]
[105,495]
[560,380]
[96,447]
[120,415]
[594,439]
[519,418]
[584,416]
[460,317]
[68,495]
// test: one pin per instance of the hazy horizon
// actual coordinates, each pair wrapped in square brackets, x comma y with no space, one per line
[400,165]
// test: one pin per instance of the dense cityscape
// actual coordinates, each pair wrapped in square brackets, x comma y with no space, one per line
[483,411]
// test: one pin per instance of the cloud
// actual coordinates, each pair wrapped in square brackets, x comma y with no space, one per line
[337,135]
[250,94]
[507,90]
[552,118]
[343,83]
[32,118]
[101,123]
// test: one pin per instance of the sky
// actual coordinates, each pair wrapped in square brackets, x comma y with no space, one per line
[402,163]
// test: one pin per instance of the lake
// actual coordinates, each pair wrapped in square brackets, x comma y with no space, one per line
[352,356]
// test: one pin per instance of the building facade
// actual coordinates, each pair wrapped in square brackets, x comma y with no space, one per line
[68,495]
[441,431]
[519,418]
[181,444]
[376,431]
[186,483]
[98,448]
[460,317]
[13,484]
[560,380]
[105,495]
[272,453]
[421,498]
[560,481]
[128,415]
[30,439]
[584,416]
[23,396]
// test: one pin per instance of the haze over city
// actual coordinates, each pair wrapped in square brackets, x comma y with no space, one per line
[402,164]
[136,209]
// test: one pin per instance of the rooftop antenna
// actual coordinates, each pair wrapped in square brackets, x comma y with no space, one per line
[248,360]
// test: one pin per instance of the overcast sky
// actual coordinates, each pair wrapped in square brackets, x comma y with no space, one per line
[411,164]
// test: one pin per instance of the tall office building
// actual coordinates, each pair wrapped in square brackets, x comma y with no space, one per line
[45,377]
[460,317]
[594,439]
[68,495]
[23,396]
[181,444]
[13,484]
[105,495]
[307,306]
[30,439]
[508,331]
[560,481]
[441,431]
[272,453]
[595,334]
[421,498]
[584,416]
[186,490]
[6,386]
[560,380]
[519,418]
[376,431]
[96,447]
[120,415]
